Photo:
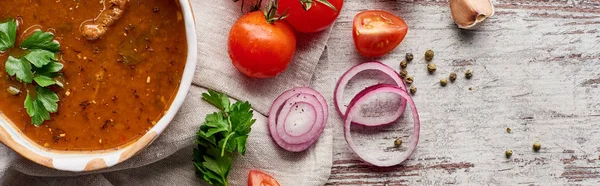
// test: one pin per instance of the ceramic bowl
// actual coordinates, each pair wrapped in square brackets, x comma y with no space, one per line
[93,160]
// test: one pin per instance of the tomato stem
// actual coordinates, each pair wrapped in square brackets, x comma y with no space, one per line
[307,4]
[271,11]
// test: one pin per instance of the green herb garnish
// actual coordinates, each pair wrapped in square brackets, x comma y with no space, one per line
[39,65]
[41,40]
[8,34]
[222,134]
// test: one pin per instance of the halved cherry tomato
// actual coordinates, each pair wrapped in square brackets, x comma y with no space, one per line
[318,17]
[257,178]
[377,32]
[260,49]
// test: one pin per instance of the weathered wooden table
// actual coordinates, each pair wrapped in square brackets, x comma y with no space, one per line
[536,70]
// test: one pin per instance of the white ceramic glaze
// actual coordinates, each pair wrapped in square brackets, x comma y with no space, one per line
[93,160]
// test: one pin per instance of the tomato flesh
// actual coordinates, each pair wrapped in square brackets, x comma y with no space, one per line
[259,49]
[317,18]
[377,32]
[258,178]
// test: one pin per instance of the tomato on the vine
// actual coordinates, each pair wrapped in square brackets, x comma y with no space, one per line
[261,45]
[377,32]
[310,15]
[257,178]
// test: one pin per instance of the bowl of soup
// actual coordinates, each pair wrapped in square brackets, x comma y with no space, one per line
[126,69]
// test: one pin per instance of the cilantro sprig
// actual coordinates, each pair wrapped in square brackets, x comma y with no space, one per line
[222,135]
[38,65]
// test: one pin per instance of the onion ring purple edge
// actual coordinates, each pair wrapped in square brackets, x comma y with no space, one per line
[416,131]
[273,116]
[314,130]
[345,78]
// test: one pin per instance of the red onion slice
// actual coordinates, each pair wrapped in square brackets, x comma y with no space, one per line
[290,116]
[352,111]
[343,81]
[296,124]
[277,109]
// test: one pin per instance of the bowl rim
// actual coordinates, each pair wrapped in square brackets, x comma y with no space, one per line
[82,161]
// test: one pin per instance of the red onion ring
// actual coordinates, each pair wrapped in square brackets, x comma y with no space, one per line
[343,81]
[283,116]
[352,111]
[293,96]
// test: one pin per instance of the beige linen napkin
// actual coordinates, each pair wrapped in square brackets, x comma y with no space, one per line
[168,160]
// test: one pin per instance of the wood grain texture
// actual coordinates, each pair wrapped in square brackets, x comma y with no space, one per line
[536,70]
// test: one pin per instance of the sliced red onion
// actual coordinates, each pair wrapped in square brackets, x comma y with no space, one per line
[343,81]
[282,117]
[292,117]
[353,110]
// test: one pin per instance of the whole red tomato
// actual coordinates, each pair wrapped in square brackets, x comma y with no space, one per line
[260,49]
[320,14]
[377,32]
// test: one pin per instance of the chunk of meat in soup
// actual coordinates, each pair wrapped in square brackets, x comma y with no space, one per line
[95,29]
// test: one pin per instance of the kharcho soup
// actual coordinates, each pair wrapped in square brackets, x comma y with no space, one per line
[122,63]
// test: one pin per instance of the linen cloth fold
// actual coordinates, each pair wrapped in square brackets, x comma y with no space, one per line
[167,161]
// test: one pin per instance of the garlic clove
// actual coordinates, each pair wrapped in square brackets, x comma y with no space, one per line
[467,14]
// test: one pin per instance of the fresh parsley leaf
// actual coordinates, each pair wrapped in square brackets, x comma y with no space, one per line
[36,111]
[220,165]
[50,69]
[44,81]
[220,135]
[216,122]
[8,34]
[241,144]
[39,58]
[41,40]
[20,68]
[48,99]
[241,117]
[218,100]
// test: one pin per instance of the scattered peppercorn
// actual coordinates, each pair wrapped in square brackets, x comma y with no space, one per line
[413,89]
[508,153]
[537,146]
[469,74]
[429,55]
[508,130]
[452,76]
[403,73]
[403,64]
[470,88]
[409,57]
[431,67]
[398,142]
[443,81]
[409,79]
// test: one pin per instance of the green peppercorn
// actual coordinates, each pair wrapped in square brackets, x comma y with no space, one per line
[403,73]
[413,89]
[537,146]
[452,76]
[409,80]
[398,142]
[403,64]
[468,73]
[508,153]
[443,81]
[431,67]
[429,55]
[508,130]
[409,57]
